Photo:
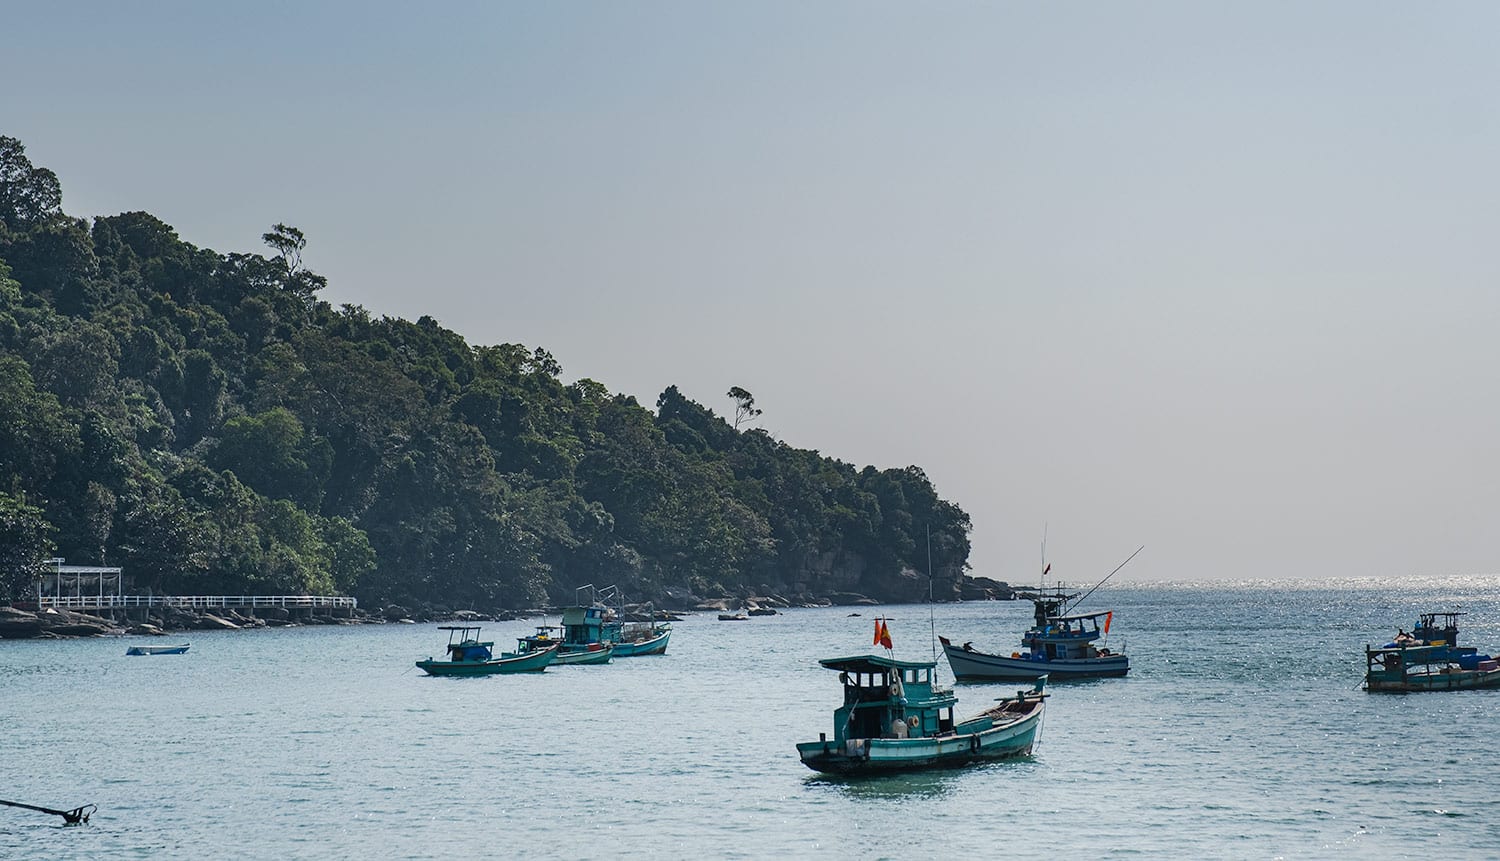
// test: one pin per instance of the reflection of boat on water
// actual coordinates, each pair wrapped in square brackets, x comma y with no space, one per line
[1429,659]
[467,656]
[895,718]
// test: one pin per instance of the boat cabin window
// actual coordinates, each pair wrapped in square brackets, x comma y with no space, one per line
[945,720]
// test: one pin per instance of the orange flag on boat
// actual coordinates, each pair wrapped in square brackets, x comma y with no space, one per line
[885,635]
[876,641]
[1108,617]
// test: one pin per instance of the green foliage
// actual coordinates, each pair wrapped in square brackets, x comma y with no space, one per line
[25,545]
[28,194]
[208,423]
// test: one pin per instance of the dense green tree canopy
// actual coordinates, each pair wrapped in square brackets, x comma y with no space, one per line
[208,423]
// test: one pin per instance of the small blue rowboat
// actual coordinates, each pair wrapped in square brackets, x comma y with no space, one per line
[157,650]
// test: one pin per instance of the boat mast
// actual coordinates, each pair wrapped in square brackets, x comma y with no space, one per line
[931,622]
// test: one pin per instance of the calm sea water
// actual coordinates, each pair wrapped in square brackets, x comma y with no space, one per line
[1240,733]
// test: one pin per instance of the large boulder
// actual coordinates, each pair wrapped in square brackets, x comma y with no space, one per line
[849,599]
[210,622]
[18,624]
[66,623]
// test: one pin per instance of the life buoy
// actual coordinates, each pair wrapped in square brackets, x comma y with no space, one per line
[913,721]
[895,690]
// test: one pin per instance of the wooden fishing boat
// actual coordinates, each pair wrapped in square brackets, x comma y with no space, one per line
[467,656]
[895,718]
[1429,659]
[567,653]
[639,639]
[157,650]
[1410,669]
[587,624]
[1058,645]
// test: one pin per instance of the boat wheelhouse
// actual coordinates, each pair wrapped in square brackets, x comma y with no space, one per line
[896,718]
[469,656]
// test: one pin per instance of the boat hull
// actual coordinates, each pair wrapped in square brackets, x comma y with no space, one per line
[1454,680]
[655,646]
[889,755]
[975,666]
[534,662]
[586,656]
[157,650]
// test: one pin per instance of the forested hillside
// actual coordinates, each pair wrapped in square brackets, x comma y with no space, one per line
[208,422]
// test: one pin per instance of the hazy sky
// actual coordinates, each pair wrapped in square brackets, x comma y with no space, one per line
[1219,280]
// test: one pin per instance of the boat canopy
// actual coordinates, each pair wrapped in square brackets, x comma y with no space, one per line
[874,664]
[1414,654]
[1079,617]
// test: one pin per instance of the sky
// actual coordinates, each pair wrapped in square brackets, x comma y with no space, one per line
[1215,279]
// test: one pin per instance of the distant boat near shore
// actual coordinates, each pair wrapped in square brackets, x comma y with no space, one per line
[158,650]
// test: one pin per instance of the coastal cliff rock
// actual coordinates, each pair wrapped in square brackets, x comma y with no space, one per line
[18,624]
[985,589]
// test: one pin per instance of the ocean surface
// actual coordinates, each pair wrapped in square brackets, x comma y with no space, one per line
[1241,732]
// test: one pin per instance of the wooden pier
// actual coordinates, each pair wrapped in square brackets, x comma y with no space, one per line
[84,603]
[100,590]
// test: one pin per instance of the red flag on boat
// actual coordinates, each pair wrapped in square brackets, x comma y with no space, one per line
[876,641]
[1108,617]
[885,635]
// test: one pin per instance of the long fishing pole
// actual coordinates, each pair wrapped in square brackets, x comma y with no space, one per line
[70,817]
[1111,574]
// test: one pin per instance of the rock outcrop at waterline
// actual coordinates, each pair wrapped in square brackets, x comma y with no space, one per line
[18,624]
[21,625]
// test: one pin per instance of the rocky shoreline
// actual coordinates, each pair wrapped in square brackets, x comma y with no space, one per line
[51,623]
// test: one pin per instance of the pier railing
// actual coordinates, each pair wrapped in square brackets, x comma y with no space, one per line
[197,602]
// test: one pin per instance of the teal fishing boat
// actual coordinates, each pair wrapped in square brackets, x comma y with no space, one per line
[1429,659]
[586,625]
[896,718]
[549,636]
[1410,669]
[468,656]
[635,639]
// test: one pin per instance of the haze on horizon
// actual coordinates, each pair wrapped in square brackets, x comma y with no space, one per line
[1213,280]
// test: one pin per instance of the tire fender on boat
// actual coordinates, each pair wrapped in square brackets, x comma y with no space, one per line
[974,742]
